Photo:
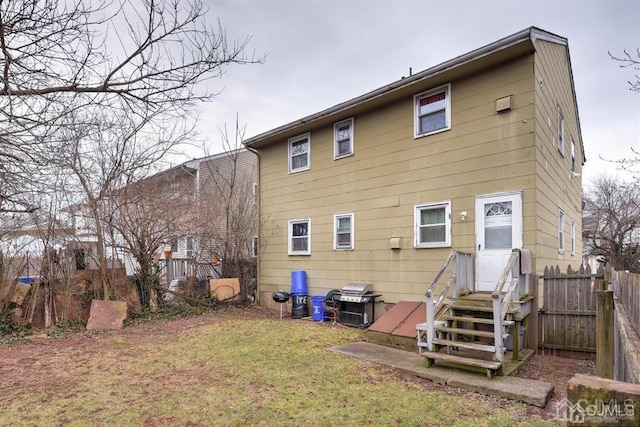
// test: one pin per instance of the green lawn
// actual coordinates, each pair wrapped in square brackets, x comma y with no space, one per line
[231,371]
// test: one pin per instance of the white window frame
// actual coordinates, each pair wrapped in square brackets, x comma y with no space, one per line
[573,237]
[299,138]
[560,231]
[336,153]
[573,154]
[446,204]
[254,247]
[561,135]
[336,219]
[447,107]
[255,194]
[290,235]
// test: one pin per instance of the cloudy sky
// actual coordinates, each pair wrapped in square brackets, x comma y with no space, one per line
[320,53]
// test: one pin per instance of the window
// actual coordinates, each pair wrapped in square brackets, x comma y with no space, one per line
[343,137]
[299,153]
[255,193]
[560,231]
[433,225]
[560,131]
[255,247]
[300,237]
[573,237]
[343,231]
[573,154]
[433,111]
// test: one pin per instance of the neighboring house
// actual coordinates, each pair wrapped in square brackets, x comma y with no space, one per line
[482,154]
[205,197]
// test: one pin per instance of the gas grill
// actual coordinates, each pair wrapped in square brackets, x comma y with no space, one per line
[357,304]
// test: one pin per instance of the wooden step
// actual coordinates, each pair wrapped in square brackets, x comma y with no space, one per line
[463,344]
[483,320]
[489,365]
[469,332]
[477,308]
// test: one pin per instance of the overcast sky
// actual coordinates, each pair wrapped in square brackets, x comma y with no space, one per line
[320,53]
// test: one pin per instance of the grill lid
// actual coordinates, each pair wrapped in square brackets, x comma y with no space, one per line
[357,289]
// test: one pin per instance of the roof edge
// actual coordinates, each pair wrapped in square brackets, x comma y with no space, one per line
[530,33]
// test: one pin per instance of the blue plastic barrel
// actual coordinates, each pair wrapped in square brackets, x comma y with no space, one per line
[299,282]
[317,308]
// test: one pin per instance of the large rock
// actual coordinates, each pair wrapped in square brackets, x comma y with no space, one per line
[19,293]
[107,314]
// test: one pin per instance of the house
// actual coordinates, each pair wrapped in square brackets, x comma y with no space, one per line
[482,154]
[479,155]
[205,209]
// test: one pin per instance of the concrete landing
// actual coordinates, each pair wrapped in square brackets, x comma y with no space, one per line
[532,392]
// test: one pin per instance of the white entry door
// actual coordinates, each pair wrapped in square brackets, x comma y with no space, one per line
[498,231]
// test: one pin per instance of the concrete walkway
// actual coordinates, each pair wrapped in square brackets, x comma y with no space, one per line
[524,390]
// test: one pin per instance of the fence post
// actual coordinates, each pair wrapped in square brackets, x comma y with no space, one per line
[604,334]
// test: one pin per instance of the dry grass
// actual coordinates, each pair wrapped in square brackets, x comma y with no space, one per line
[226,370]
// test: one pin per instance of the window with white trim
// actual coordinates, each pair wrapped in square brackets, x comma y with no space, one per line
[432,225]
[560,231]
[299,153]
[343,139]
[255,193]
[560,131]
[573,237]
[300,236]
[433,111]
[343,231]
[573,154]
[254,253]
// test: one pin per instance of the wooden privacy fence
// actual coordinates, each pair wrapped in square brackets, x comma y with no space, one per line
[626,287]
[567,318]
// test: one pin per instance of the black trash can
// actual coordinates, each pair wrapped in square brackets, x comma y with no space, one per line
[299,307]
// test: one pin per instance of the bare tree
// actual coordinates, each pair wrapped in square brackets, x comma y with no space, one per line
[612,222]
[146,215]
[626,60]
[145,60]
[227,208]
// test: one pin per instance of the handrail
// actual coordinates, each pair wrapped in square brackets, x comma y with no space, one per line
[500,309]
[433,306]
[429,292]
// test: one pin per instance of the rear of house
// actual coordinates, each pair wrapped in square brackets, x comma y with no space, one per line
[480,154]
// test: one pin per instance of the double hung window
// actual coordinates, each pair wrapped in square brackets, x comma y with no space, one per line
[343,139]
[300,236]
[432,225]
[433,111]
[560,231]
[560,131]
[299,153]
[343,236]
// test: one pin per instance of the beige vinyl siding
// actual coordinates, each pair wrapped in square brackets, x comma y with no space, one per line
[391,171]
[555,189]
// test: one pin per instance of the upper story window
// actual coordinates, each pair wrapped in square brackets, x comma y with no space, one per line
[433,111]
[560,231]
[573,154]
[432,225]
[255,193]
[343,235]
[299,153]
[343,139]
[300,236]
[560,131]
